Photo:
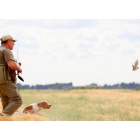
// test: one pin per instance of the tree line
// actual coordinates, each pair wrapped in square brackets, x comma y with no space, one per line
[132,85]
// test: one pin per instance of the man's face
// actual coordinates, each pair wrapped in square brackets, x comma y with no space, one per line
[11,44]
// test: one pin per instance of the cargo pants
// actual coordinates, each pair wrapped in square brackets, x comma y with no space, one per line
[10,98]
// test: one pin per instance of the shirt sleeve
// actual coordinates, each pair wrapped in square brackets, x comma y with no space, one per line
[8,55]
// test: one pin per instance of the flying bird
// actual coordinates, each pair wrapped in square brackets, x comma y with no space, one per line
[135,66]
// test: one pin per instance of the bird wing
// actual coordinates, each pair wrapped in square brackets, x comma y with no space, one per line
[136,63]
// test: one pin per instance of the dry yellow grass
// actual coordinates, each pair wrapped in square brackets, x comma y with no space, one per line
[84,105]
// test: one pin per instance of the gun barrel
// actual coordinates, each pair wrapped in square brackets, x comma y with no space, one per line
[19,74]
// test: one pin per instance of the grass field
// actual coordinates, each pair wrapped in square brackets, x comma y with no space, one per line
[86,105]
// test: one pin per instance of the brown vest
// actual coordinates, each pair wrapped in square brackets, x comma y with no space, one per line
[4,69]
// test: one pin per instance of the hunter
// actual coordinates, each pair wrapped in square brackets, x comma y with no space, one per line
[10,96]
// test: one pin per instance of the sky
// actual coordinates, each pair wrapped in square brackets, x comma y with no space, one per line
[81,51]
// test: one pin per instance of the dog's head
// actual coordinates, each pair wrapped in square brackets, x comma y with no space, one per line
[44,105]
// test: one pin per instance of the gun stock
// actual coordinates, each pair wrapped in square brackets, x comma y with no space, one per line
[20,76]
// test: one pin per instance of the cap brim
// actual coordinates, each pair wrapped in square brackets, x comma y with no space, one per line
[14,40]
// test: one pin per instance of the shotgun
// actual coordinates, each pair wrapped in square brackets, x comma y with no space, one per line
[18,73]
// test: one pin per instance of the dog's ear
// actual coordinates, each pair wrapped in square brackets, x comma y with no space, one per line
[39,104]
[44,105]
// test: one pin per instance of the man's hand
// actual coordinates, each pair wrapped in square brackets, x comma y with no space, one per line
[19,62]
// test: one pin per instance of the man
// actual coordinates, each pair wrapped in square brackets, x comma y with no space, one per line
[10,96]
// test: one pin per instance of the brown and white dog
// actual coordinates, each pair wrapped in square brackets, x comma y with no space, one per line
[33,108]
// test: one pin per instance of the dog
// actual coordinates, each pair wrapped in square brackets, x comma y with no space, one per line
[33,108]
